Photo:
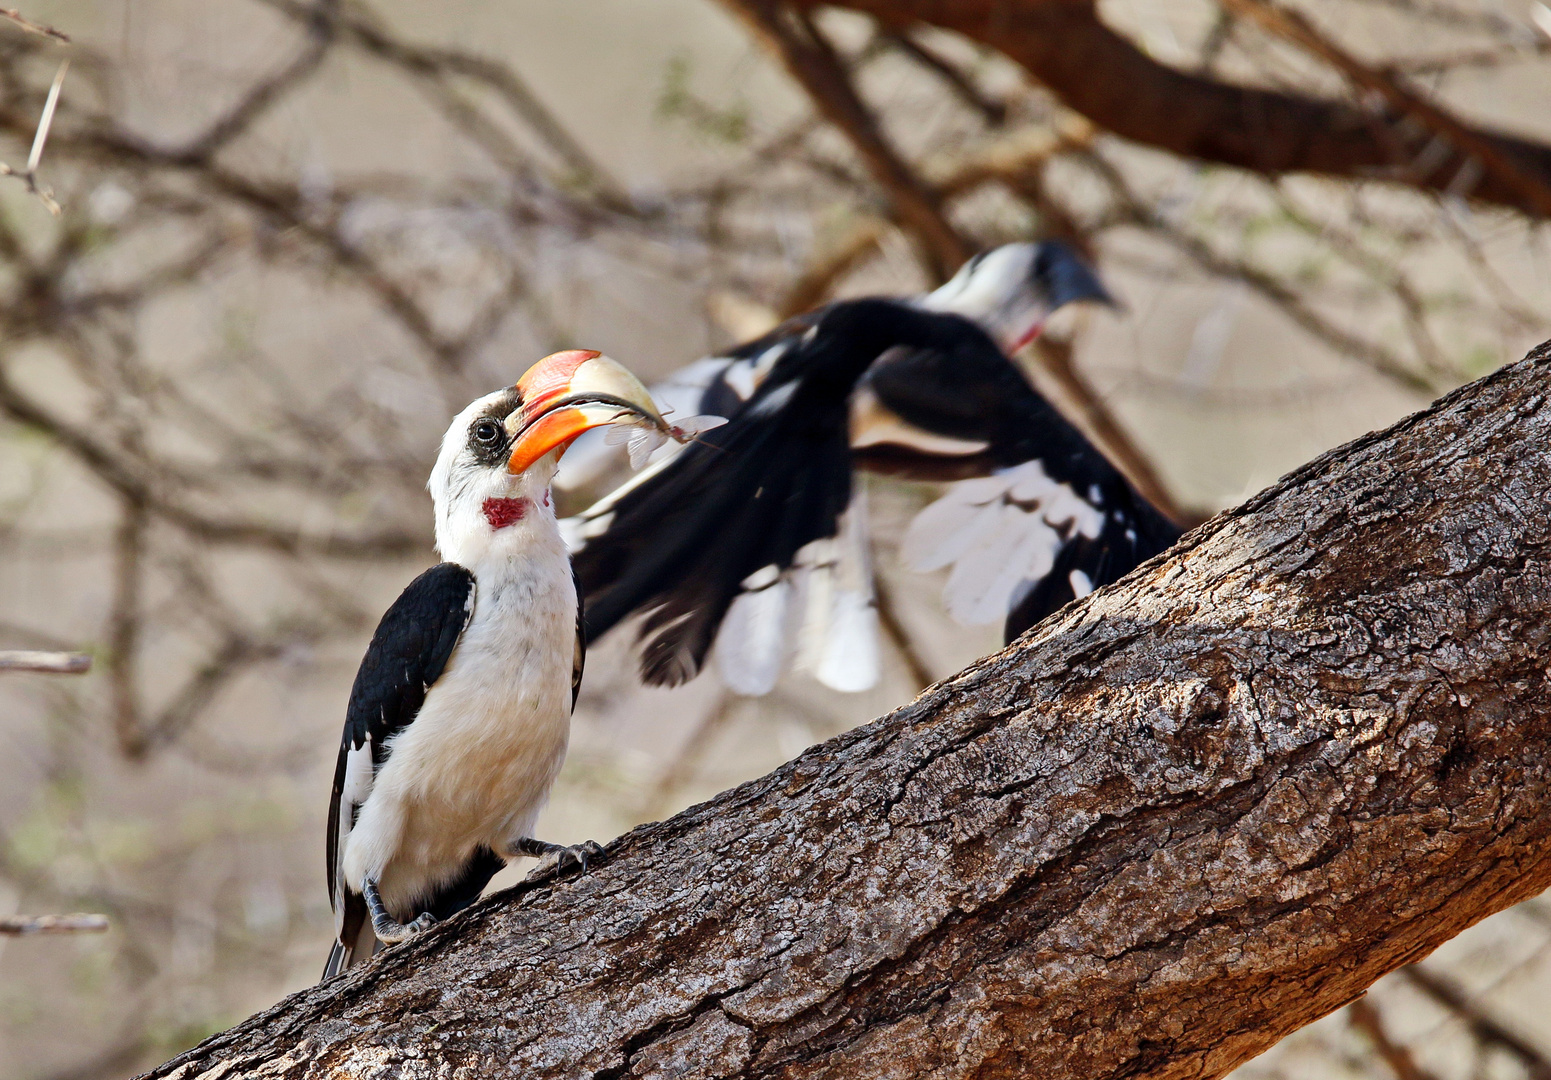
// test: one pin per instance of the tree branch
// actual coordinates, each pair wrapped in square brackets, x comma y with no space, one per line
[1365,1018]
[811,60]
[894,629]
[1483,1027]
[1067,47]
[1183,817]
[1293,27]
[992,111]
[362,28]
[109,468]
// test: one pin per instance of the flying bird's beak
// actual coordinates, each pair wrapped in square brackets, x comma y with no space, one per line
[1065,279]
[1071,280]
[570,392]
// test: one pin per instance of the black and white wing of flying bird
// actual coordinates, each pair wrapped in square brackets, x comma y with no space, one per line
[1010,292]
[1044,517]
[753,544]
[459,716]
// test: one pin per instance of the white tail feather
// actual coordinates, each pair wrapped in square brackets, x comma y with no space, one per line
[838,639]
[849,661]
[752,644]
[818,616]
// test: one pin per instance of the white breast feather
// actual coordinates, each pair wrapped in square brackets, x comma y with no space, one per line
[476,765]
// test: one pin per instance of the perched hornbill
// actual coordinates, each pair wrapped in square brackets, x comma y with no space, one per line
[458,720]
[750,537]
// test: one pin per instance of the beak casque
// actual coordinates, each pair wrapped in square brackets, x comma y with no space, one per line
[570,392]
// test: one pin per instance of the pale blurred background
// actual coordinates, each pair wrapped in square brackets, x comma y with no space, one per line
[294,241]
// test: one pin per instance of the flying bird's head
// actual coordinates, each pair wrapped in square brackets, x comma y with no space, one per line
[499,455]
[1012,290]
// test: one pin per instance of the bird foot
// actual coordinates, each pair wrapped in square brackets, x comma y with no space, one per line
[559,858]
[384,925]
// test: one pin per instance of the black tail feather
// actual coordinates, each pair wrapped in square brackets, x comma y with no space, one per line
[358,944]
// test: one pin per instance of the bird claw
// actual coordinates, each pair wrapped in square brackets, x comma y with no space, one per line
[558,859]
[387,929]
[580,855]
[424,921]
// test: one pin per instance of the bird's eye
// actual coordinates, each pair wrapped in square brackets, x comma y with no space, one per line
[487,432]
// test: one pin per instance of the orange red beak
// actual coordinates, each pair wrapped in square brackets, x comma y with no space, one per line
[570,392]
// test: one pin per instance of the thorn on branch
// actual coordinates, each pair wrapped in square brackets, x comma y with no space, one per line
[59,663]
[29,176]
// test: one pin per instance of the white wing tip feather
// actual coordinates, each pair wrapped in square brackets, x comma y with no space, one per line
[999,533]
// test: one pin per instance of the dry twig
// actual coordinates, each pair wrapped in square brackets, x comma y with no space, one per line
[811,60]
[41,29]
[18,925]
[898,635]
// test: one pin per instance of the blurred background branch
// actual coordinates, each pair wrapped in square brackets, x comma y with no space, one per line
[16,925]
[62,663]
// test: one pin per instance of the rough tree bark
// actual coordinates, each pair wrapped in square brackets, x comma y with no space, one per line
[1175,822]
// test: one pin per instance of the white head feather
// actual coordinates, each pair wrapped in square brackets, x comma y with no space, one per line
[463,479]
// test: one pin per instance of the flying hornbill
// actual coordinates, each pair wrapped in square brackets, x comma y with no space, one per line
[459,716]
[751,537]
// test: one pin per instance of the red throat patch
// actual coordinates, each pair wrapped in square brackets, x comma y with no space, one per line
[503,512]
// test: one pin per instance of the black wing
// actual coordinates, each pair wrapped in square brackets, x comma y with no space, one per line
[407,654]
[730,512]
[1056,503]
[746,496]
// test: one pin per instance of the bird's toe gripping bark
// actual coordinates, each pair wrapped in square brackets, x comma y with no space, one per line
[559,858]
[384,925]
